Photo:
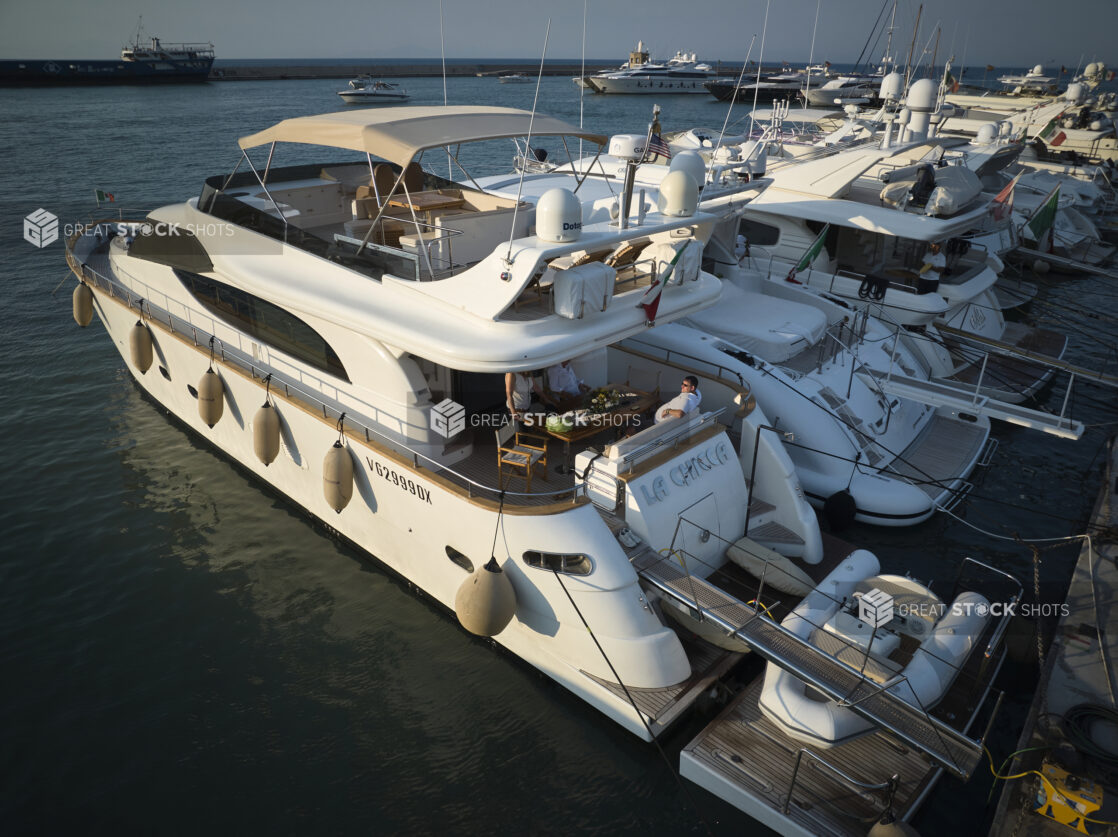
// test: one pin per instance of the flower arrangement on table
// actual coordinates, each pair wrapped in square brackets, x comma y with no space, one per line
[601,400]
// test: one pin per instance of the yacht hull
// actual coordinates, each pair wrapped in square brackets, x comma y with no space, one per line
[397,516]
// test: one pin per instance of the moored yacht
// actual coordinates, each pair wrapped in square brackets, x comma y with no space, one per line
[343,330]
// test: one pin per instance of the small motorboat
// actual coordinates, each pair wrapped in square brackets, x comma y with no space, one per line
[367,91]
[514,78]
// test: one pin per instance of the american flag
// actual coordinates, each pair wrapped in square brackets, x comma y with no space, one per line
[656,145]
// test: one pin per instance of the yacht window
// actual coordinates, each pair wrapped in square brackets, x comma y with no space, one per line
[264,321]
[459,559]
[757,233]
[577,564]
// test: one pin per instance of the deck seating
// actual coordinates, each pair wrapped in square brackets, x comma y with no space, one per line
[518,454]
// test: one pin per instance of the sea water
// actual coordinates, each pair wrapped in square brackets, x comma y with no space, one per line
[183,653]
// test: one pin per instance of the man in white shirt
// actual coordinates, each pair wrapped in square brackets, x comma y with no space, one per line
[686,402]
[565,384]
[935,263]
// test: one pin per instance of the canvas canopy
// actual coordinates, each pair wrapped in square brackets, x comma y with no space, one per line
[398,134]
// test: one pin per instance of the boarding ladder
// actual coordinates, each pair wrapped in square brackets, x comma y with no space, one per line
[948,747]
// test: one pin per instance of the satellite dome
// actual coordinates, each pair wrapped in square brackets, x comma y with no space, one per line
[558,216]
[691,162]
[679,195]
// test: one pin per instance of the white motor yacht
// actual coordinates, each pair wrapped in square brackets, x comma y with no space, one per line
[365,90]
[682,73]
[343,330]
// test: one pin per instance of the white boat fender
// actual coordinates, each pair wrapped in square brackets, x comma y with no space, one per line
[266,433]
[337,476]
[140,346]
[839,509]
[890,826]
[486,601]
[211,398]
[83,305]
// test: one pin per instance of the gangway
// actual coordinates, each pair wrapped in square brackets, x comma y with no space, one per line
[940,394]
[1002,348]
[945,745]
[1065,262]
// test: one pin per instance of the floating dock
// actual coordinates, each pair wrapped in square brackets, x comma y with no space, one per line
[1079,669]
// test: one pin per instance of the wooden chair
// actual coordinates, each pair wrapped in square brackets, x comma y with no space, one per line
[519,453]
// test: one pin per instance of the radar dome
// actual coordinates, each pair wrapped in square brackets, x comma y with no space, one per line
[1074,93]
[892,86]
[986,135]
[1092,69]
[1038,70]
[691,162]
[558,216]
[679,195]
[922,96]
[627,147]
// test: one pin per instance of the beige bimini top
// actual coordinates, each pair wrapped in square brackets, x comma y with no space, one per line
[398,134]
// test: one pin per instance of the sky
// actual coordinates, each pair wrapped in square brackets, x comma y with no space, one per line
[1007,33]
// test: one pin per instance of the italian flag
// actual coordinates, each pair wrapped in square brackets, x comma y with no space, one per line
[809,255]
[1044,217]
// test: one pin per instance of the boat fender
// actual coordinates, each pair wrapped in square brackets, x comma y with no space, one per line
[890,826]
[140,346]
[839,509]
[211,398]
[83,305]
[486,601]
[337,477]
[266,434]
[1040,266]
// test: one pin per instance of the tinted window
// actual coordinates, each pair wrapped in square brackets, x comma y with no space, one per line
[264,321]
[757,233]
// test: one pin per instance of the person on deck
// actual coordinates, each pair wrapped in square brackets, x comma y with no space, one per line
[686,402]
[935,263]
[519,389]
[565,384]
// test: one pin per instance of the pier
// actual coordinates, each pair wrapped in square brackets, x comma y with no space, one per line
[1078,672]
[274,72]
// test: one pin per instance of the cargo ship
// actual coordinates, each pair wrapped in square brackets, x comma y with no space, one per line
[152,62]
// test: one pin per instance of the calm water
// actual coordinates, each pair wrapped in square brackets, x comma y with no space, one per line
[181,653]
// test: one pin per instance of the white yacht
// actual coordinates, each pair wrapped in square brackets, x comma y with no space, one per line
[682,73]
[342,331]
[814,366]
[365,90]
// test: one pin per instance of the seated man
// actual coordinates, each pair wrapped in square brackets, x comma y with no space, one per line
[686,402]
[565,385]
